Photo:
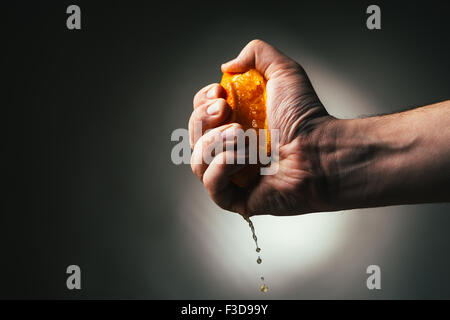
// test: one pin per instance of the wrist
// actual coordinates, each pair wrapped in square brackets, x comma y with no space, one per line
[318,143]
[347,151]
[375,161]
[351,155]
[378,161]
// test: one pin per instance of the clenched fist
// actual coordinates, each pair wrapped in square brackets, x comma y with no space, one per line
[294,109]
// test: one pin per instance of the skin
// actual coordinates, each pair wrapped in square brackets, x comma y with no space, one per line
[325,164]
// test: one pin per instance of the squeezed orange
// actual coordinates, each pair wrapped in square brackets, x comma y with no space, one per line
[246,95]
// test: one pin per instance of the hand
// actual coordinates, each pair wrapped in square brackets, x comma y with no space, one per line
[299,186]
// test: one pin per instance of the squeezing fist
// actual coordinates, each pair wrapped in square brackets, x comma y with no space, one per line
[293,108]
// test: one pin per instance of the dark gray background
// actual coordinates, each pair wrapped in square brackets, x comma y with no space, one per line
[89,181]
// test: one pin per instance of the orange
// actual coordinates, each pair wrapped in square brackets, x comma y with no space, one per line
[246,95]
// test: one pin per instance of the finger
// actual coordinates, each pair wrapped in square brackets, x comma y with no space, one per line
[206,148]
[217,180]
[261,56]
[217,175]
[212,91]
[206,117]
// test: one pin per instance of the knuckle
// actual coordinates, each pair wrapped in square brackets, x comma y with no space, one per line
[208,140]
[196,99]
[215,85]
[196,169]
[298,67]
[209,182]
[196,117]
[198,172]
[191,120]
[258,45]
[200,93]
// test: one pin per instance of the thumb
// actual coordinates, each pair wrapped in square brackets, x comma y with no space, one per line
[261,56]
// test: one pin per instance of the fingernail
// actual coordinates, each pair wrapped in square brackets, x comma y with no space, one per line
[214,108]
[212,93]
[224,65]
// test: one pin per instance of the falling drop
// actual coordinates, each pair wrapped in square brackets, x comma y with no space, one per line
[264,288]
[252,228]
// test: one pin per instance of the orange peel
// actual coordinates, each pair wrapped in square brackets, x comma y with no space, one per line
[246,95]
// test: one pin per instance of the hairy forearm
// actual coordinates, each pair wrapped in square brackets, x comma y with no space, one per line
[402,158]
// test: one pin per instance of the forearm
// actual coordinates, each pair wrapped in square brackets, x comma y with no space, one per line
[402,158]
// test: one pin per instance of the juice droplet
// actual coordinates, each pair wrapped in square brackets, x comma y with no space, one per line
[264,288]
